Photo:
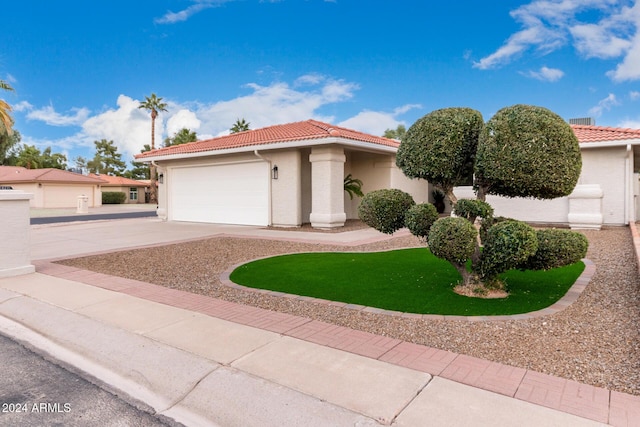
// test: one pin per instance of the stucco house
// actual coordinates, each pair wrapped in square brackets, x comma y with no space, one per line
[134,190]
[290,174]
[607,190]
[283,175]
[53,188]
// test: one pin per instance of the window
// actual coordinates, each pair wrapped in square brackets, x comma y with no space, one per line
[133,193]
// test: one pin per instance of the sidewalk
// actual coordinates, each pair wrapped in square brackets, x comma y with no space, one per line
[204,361]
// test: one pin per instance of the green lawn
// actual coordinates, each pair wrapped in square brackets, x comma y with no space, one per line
[407,280]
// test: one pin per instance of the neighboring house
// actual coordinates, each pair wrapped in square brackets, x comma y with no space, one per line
[134,190]
[53,188]
[283,175]
[607,190]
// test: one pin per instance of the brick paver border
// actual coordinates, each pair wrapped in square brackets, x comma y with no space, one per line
[595,403]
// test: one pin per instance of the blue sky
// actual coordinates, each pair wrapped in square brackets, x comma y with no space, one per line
[80,68]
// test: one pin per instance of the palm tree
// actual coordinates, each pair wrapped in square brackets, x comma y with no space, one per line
[154,105]
[5,110]
[240,126]
[353,186]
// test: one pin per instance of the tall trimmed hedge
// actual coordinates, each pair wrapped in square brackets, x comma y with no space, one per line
[385,209]
[113,197]
[527,151]
[440,147]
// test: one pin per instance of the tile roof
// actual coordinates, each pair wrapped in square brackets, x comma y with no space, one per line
[602,134]
[299,131]
[118,181]
[16,174]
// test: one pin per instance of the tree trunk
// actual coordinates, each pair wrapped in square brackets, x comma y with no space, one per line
[153,193]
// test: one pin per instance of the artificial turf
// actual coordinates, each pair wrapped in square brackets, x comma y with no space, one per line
[406,280]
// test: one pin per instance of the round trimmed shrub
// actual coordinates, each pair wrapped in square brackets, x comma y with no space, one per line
[487,223]
[385,209]
[527,151]
[471,209]
[420,218]
[440,147]
[557,248]
[508,245]
[453,239]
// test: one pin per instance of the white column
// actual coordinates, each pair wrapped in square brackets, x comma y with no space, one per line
[15,255]
[585,207]
[327,187]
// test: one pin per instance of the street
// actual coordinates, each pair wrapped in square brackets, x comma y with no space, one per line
[36,391]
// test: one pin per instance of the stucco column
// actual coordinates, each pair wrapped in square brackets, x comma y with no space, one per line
[327,187]
[585,207]
[15,254]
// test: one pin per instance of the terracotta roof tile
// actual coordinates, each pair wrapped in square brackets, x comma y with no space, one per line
[602,134]
[10,174]
[307,130]
[118,181]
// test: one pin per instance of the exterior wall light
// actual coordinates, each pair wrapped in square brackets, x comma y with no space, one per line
[274,172]
[161,178]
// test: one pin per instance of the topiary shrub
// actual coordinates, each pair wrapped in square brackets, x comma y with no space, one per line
[508,245]
[420,218]
[527,151]
[385,209]
[440,147]
[454,239]
[472,209]
[557,248]
[487,223]
[113,197]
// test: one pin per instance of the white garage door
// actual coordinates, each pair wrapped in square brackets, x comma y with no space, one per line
[223,194]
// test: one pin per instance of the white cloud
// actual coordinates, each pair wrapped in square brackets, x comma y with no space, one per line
[52,118]
[629,123]
[22,106]
[546,74]
[634,95]
[548,25]
[130,127]
[376,122]
[604,104]
[200,5]
[182,119]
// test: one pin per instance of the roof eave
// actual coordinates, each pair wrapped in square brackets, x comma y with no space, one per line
[605,144]
[362,145]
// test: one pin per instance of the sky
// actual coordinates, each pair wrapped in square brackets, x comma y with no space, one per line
[81,68]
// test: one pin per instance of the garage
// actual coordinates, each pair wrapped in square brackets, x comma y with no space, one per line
[235,193]
[65,196]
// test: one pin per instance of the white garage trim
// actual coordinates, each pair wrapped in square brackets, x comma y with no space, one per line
[224,193]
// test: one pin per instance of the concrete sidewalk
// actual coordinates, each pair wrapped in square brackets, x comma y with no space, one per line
[204,361]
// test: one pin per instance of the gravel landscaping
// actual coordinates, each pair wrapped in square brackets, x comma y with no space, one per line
[595,341]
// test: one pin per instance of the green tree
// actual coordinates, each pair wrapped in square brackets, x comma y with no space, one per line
[440,147]
[80,162]
[7,144]
[139,170]
[153,105]
[522,151]
[240,125]
[29,156]
[53,160]
[6,121]
[183,136]
[397,133]
[107,160]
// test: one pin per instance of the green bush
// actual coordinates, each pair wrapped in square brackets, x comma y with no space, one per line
[453,239]
[440,147]
[509,244]
[385,209]
[527,151]
[113,197]
[472,209]
[487,223]
[557,248]
[420,218]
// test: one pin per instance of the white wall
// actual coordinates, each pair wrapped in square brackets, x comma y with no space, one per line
[606,166]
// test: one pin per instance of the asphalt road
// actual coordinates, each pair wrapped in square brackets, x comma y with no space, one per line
[92,217]
[36,390]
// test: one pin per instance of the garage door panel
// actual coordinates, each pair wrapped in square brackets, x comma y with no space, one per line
[226,194]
